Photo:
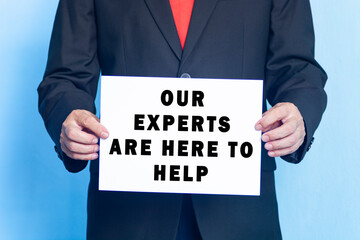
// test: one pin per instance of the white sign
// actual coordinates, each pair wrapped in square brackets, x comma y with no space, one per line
[181,135]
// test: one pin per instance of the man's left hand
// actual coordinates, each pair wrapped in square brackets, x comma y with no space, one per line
[283,129]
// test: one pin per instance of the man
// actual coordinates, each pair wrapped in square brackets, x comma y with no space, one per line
[240,39]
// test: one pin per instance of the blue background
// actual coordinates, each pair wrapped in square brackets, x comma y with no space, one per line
[318,199]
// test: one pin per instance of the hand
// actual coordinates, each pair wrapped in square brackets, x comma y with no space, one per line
[283,129]
[79,135]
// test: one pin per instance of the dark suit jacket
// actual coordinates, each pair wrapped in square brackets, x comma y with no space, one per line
[243,39]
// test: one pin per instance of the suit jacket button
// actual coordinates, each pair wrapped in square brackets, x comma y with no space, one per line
[185,75]
[311,142]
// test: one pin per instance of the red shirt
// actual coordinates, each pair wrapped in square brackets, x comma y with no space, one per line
[182,10]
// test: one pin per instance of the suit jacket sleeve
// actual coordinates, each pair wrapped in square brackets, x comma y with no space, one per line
[292,73]
[72,71]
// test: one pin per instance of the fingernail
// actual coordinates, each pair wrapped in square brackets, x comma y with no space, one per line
[258,127]
[104,135]
[268,146]
[96,148]
[271,154]
[95,140]
[265,138]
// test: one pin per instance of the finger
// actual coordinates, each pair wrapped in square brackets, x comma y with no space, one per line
[283,131]
[286,142]
[91,122]
[78,156]
[270,117]
[273,126]
[79,147]
[77,135]
[285,151]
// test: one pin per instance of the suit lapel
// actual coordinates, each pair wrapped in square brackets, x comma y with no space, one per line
[162,14]
[202,11]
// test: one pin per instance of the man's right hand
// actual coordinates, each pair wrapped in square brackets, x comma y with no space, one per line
[80,134]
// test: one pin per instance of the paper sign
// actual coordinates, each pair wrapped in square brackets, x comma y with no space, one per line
[181,135]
